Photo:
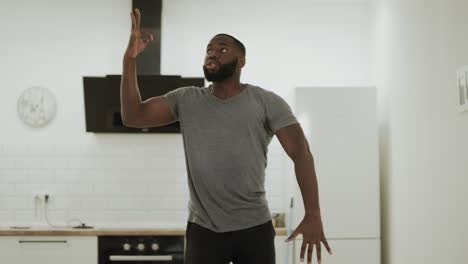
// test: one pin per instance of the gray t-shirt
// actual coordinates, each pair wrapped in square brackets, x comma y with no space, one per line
[226,143]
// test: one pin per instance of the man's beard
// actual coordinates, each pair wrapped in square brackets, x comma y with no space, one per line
[224,72]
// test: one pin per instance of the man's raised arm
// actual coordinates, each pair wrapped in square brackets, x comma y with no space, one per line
[152,112]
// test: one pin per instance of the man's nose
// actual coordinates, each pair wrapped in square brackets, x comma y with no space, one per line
[214,55]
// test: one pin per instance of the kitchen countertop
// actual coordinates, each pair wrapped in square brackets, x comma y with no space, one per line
[44,231]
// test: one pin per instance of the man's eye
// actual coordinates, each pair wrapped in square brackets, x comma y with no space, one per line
[208,51]
[224,50]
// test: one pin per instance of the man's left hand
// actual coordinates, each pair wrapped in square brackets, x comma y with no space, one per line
[311,229]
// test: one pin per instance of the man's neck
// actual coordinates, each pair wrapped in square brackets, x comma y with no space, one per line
[226,89]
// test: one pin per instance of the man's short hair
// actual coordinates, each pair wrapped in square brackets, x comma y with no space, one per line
[236,41]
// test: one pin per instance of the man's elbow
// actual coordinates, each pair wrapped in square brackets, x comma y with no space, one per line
[129,121]
[128,124]
[302,155]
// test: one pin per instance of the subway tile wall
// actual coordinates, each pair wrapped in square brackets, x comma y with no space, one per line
[109,185]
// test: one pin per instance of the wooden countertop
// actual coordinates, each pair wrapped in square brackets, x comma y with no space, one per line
[101,232]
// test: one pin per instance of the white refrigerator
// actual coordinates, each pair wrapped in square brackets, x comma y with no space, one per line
[340,124]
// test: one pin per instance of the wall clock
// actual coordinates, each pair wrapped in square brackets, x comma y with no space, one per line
[37,106]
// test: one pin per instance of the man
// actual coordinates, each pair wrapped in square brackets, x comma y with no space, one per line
[226,129]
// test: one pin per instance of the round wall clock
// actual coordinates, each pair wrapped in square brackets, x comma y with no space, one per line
[36,106]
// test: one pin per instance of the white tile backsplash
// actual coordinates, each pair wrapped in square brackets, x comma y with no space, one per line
[13,202]
[40,175]
[7,189]
[23,217]
[108,184]
[66,203]
[7,163]
[27,189]
[6,216]
[11,175]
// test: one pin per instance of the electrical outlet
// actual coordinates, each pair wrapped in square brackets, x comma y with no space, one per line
[40,195]
[462,88]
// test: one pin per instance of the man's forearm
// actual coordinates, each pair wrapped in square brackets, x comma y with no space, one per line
[307,180]
[130,98]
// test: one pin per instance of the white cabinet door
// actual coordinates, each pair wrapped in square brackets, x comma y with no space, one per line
[283,250]
[9,250]
[51,249]
[341,127]
[364,251]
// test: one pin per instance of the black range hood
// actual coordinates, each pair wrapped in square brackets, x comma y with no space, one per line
[102,94]
[102,100]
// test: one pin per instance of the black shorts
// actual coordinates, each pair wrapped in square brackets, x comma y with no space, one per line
[255,245]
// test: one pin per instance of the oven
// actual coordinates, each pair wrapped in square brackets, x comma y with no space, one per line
[141,249]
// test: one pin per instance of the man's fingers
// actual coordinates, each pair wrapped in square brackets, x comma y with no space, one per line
[133,21]
[146,37]
[138,18]
[310,251]
[319,252]
[292,236]
[303,248]
[325,242]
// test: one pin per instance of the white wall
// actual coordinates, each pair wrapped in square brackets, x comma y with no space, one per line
[289,44]
[420,44]
[459,212]
[110,179]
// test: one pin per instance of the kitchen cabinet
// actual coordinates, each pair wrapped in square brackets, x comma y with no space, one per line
[283,250]
[49,249]
[81,249]
[342,130]
[341,126]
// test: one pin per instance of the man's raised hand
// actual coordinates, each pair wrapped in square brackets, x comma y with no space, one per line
[138,39]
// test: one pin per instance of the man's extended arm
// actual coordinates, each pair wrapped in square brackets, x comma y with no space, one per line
[295,144]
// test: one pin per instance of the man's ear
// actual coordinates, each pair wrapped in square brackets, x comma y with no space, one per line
[242,61]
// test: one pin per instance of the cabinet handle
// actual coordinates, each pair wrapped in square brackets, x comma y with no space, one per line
[139,258]
[42,241]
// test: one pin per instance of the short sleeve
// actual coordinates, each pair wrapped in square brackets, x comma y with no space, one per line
[174,98]
[278,113]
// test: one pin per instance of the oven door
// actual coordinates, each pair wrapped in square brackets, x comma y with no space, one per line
[141,249]
[167,259]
